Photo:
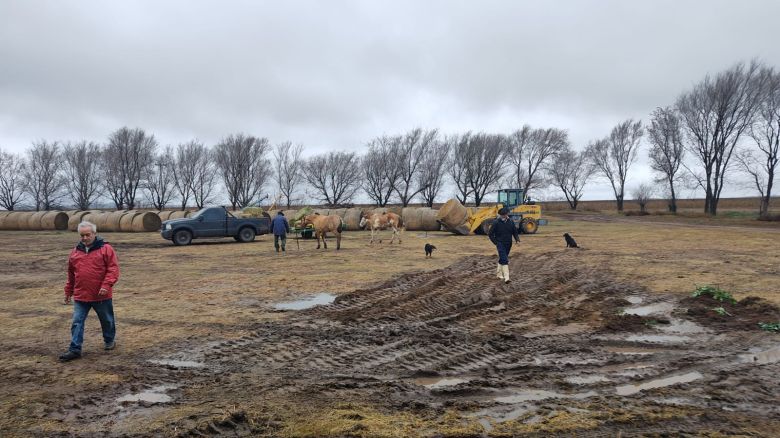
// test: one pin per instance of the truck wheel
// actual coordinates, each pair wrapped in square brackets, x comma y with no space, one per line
[182,238]
[529,226]
[246,234]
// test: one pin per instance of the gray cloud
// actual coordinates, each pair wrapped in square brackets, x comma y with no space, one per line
[334,74]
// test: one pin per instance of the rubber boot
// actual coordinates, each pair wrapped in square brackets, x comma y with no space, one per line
[499,272]
[505,271]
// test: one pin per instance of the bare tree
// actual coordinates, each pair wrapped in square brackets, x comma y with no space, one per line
[184,168]
[570,171]
[715,114]
[130,153]
[667,150]
[334,176]
[458,165]
[614,155]
[288,169]
[765,132]
[432,174]
[380,169]
[203,177]
[531,150]
[12,171]
[243,166]
[159,185]
[642,194]
[113,178]
[82,173]
[486,164]
[43,174]
[412,149]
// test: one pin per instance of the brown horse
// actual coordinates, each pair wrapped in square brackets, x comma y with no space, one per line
[382,221]
[322,225]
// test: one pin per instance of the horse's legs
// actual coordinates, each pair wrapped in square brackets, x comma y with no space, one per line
[338,241]
[373,231]
[317,235]
[324,242]
[395,232]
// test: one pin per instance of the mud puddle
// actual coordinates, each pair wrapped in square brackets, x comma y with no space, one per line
[306,303]
[173,363]
[153,395]
[659,339]
[762,357]
[528,395]
[440,382]
[626,390]
[662,308]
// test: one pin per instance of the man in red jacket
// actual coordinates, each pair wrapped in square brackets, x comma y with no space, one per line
[92,272]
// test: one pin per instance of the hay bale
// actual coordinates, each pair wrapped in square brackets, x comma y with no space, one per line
[411,218]
[253,212]
[126,222]
[340,212]
[12,220]
[75,219]
[34,221]
[164,215]
[379,210]
[395,209]
[352,219]
[146,221]
[113,219]
[453,216]
[54,220]
[322,211]
[178,214]
[99,218]
[428,220]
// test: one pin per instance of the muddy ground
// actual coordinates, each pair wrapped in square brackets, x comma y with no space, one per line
[605,340]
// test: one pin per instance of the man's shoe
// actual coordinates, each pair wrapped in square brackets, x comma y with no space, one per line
[69,356]
[110,346]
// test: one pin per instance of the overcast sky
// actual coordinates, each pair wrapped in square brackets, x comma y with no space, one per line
[333,74]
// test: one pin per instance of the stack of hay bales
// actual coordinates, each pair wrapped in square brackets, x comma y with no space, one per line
[164,215]
[453,216]
[253,212]
[8,220]
[34,220]
[75,218]
[179,214]
[352,219]
[146,221]
[420,219]
[126,222]
[54,220]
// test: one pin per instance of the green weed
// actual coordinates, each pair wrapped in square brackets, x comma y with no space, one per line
[715,293]
[770,326]
[721,311]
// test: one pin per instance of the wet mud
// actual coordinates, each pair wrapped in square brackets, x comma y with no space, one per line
[562,349]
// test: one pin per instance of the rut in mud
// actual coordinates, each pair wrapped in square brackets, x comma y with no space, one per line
[560,341]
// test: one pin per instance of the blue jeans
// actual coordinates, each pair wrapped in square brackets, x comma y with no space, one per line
[105,313]
[503,252]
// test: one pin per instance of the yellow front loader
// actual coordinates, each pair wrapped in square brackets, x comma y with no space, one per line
[461,220]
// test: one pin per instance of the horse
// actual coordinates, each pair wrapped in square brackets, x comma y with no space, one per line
[322,225]
[382,221]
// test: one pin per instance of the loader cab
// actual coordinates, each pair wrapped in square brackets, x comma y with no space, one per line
[511,198]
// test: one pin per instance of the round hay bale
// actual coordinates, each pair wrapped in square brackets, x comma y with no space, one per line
[54,220]
[11,221]
[112,220]
[71,212]
[453,215]
[379,210]
[352,219]
[34,221]
[411,218]
[340,212]
[146,221]
[75,219]
[126,223]
[178,214]
[396,209]
[428,220]
[164,215]
[99,218]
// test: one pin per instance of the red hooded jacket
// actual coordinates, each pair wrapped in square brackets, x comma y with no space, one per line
[90,269]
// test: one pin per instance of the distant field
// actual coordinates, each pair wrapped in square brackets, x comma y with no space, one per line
[660,205]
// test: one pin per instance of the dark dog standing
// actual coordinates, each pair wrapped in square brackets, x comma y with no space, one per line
[429,250]
[570,242]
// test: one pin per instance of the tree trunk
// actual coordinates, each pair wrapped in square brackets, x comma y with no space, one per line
[673,201]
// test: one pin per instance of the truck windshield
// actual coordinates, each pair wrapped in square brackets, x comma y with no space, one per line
[199,213]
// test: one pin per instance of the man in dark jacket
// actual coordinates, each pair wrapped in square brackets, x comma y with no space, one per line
[280,227]
[502,232]
[92,272]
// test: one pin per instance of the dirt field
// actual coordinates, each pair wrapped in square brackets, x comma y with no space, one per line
[604,340]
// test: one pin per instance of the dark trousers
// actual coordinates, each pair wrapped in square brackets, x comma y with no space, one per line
[283,239]
[503,252]
[105,313]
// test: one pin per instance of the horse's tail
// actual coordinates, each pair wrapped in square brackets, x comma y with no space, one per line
[340,228]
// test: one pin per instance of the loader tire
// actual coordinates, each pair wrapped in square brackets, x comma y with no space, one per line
[529,226]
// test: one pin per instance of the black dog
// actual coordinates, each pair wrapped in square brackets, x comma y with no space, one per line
[570,242]
[429,250]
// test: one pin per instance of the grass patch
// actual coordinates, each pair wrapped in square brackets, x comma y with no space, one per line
[770,326]
[715,293]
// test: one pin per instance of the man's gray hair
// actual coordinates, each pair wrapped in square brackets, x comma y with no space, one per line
[86,224]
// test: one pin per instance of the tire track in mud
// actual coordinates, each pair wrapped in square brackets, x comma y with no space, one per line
[555,321]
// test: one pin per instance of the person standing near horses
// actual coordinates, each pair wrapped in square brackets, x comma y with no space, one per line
[280,227]
[502,232]
[92,272]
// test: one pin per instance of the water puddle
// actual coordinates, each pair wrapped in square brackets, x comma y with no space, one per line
[306,303]
[540,394]
[683,326]
[631,351]
[658,383]
[439,382]
[626,366]
[155,395]
[586,380]
[634,299]
[661,308]
[763,357]
[178,363]
[658,339]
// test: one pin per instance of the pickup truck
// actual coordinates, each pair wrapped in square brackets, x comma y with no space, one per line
[214,222]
